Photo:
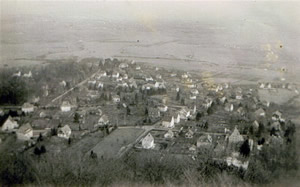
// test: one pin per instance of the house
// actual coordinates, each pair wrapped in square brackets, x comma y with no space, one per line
[255,125]
[184,76]
[102,74]
[159,85]
[228,107]
[237,163]
[18,74]
[177,118]
[123,85]
[276,126]
[162,108]
[189,134]
[277,116]
[63,84]
[138,68]
[219,88]
[1,112]
[169,134]
[125,76]
[9,124]
[193,148]
[65,106]
[238,96]
[235,136]
[148,86]
[204,140]
[190,85]
[100,85]
[25,132]
[158,76]
[193,97]
[27,75]
[115,74]
[148,142]
[223,100]
[116,98]
[194,91]
[118,79]
[261,85]
[168,122]
[241,111]
[269,85]
[64,132]
[260,112]
[148,78]
[184,113]
[123,65]
[173,75]
[103,120]
[207,103]
[27,108]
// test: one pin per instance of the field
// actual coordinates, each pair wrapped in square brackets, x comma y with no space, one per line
[110,146]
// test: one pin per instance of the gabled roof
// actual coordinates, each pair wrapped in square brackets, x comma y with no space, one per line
[24,128]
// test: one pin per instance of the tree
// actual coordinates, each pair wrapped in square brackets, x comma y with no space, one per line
[178,96]
[37,151]
[76,118]
[245,148]
[69,141]
[182,101]
[146,111]
[40,138]
[43,149]
[198,116]
[128,110]
[13,91]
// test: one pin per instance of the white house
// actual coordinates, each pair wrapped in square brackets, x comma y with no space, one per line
[194,91]
[162,108]
[27,108]
[138,67]
[228,107]
[102,74]
[115,74]
[116,98]
[9,124]
[65,106]
[177,118]
[28,75]
[193,97]
[208,102]
[103,120]
[235,137]
[184,113]
[123,65]
[64,132]
[239,96]
[169,134]
[148,142]
[261,85]
[159,85]
[63,83]
[185,76]
[189,134]
[148,78]
[18,74]
[100,85]
[25,132]
[168,122]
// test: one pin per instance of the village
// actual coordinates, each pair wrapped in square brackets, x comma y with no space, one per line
[121,108]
